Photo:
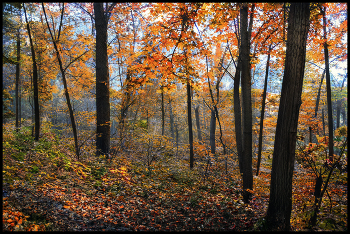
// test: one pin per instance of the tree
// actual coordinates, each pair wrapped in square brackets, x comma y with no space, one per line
[102,79]
[196,111]
[247,102]
[35,82]
[280,203]
[18,63]
[328,85]
[237,113]
[63,74]
[263,110]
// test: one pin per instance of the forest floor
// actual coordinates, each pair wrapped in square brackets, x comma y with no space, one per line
[46,189]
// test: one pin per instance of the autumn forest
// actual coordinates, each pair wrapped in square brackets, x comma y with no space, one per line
[174,116]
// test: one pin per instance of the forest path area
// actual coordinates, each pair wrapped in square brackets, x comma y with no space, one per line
[131,201]
[46,189]
[50,210]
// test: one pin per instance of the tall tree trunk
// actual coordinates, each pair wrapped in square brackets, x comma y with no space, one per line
[189,119]
[323,123]
[196,111]
[328,84]
[163,111]
[171,120]
[319,94]
[246,107]
[263,111]
[18,114]
[280,203]
[212,130]
[35,82]
[339,102]
[237,112]
[102,82]
[64,80]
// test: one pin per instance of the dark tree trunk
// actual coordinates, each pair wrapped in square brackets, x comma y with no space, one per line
[35,83]
[189,120]
[328,83]
[263,112]
[280,203]
[319,94]
[18,114]
[323,123]
[163,111]
[339,102]
[102,82]
[246,107]
[171,120]
[237,113]
[212,130]
[196,111]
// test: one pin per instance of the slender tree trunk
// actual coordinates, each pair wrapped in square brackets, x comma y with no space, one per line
[339,102]
[319,94]
[263,111]
[102,82]
[280,203]
[212,131]
[323,123]
[163,111]
[196,111]
[220,129]
[189,119]
[18,114]
[246,107]
[237,113]
[35,83]
[328,83]
[64,80]
[171,120]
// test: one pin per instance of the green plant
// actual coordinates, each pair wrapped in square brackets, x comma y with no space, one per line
[98,172]
[195,199]
[19,156]
[34,170]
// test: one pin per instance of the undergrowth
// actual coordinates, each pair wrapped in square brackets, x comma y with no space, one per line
[134,192]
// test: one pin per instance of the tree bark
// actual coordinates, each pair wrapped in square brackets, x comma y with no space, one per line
[18,114]
[263,112]
[196,111]
[171,120]
[237,113]
[319,94]
[246,107]
[280,203]
[212,130]
[189,120]
[163,111]
[102,82]
[328,84]
[35,83]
